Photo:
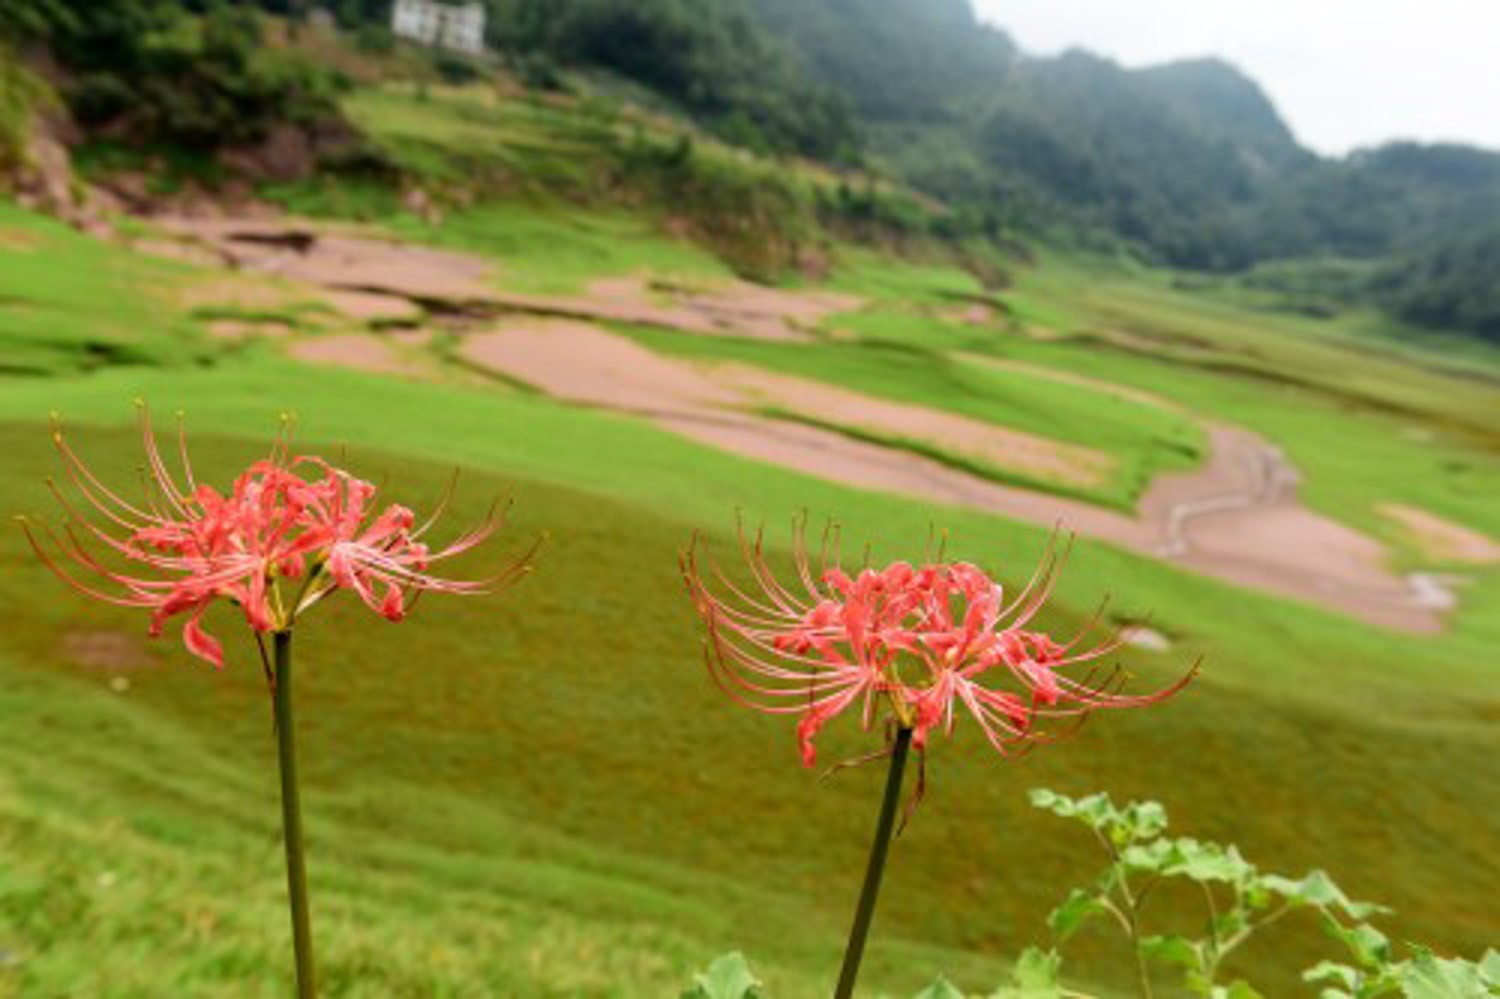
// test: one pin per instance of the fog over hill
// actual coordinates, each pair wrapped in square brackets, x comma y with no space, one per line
[1189,161]
[1348,74]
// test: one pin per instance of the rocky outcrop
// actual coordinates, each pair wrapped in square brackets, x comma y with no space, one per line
[40,176]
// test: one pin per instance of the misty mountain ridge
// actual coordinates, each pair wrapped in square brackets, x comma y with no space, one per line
[1190,162]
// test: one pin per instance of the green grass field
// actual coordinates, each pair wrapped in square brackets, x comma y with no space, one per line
[543,794]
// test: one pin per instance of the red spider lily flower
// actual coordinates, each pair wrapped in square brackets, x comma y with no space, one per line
[916,642]
[290,532]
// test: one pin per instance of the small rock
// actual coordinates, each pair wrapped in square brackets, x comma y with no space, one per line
[1149,639]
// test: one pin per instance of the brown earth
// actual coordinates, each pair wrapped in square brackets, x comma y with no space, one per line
[338,262]
[16,242]
[368,306]
[1442,539]
[321,257]
[359,351]
[1125,392]
[249,293]
[181,250]
[729,308]
[1236,518]
[591,365]
[244,329]
[105,650]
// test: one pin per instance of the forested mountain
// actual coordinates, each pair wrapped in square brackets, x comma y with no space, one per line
[898,61]
[1189,163]
[1221,102]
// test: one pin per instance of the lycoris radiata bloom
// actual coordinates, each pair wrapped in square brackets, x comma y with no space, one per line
[917,642]
[289,532]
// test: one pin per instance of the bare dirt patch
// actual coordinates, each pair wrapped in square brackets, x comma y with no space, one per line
[412,339]
[366,306]
[733,309]
[180,250]
[246,293]
[341,262]
[586,364]
[973,314]
[14,241]
[359,351]
[105,650]
[985,443]
[319,256]
[1237,517]
[1125,392]
[244,329]
[583,363]
[1442,539]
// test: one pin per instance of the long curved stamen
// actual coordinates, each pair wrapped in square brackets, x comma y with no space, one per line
[931,638]
[284,517]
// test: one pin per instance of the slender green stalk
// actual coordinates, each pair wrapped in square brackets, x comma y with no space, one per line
[1133,926]
[878,851]
[291,818]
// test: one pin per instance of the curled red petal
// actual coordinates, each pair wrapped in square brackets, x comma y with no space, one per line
[200,643]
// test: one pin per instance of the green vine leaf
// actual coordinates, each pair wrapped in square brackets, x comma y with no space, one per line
[1035,976]
[1172,950]
[1317,889]
[1077,909]
[1199,861]
[1330,971]
[1153,856]
[1146,819]
[1238,990]
[728,977]
[1095,811]
[1428,976]
[940,989]
[1369,947]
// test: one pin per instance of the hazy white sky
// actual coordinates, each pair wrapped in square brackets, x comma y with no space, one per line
[1344,73]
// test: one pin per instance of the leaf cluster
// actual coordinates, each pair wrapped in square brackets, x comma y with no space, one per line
[1240,901]
[173,72]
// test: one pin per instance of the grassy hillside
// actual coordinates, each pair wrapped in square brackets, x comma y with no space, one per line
[544,794]
[1290,376]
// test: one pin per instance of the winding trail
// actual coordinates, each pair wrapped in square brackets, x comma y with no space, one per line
[1236,518]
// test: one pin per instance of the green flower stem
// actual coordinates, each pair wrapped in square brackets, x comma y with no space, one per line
[1133,928]
[878,851]
[291,818]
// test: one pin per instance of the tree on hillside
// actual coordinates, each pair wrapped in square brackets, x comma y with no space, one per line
[1454,284]
[708,56]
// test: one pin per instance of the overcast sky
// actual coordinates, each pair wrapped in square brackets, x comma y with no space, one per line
[1344,73]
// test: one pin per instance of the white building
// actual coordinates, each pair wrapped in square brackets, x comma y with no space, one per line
[453,26]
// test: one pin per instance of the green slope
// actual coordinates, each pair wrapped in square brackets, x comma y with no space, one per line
[545,795]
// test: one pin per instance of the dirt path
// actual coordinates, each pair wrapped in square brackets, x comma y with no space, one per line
[1441,539]
[1236,518]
